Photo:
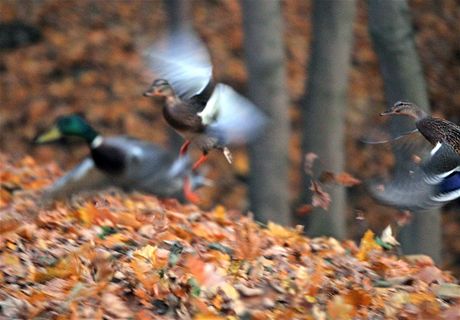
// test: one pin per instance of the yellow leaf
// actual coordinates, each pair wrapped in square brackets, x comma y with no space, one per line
[420,297]
[10,259]
[279,231]
[367,244]
[338,309]
[148,252]
[230,291]
[65,268]
[11,245]
[113,239]
[220,214]
[207,316]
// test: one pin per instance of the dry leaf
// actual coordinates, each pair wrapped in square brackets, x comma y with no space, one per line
[320,198]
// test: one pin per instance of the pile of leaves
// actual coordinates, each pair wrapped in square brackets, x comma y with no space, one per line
[116,255]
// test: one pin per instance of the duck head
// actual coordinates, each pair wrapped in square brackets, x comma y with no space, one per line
[72,125]
[406,109]
[160,88]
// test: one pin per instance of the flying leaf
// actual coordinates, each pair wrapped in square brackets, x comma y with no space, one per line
[346,179]
[320,198]
[309,163]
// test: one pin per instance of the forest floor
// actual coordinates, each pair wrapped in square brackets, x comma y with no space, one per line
[89,60]
[131,256]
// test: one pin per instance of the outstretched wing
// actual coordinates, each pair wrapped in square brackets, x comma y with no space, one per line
[182,60]
[231,118]
[433,183]
[84,177]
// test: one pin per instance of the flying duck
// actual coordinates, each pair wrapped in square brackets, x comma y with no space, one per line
[205,113]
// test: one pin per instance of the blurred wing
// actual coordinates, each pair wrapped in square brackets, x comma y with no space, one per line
[144,160]
[183,61]
[405,191]
[443,161]
[389,131]
[232,118]
[84,177]
[434,182]
[150,168]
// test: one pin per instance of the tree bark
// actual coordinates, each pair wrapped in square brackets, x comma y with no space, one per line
[179,18]
[393,39]
[264,52]
[179,14]
[324,106]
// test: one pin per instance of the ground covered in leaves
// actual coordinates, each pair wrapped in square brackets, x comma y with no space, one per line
[113,255]
[88,59]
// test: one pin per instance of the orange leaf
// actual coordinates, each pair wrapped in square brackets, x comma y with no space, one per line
[346,179]
[367,244]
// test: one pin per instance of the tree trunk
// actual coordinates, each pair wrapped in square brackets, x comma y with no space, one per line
[179,14]
[324,106]
[179,18]
[269,156]
[393,39]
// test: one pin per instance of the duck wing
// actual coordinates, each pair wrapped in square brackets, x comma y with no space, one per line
[431,184]
[150,168]
[231,118]
[84,177]
[183,60]
[141,159]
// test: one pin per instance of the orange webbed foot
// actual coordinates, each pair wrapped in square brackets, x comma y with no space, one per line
[200,161]
[189,194]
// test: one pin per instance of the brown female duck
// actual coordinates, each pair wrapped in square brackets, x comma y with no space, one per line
[207,114]
[437,179]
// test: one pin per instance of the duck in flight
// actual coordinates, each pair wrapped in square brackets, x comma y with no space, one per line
[205,113]
[437,179]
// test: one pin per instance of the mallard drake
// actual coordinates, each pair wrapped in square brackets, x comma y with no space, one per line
[437,179]
[120,161]
[205,113]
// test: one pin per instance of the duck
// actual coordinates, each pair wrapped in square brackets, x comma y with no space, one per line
[207,114]
[120,161]
[436,180]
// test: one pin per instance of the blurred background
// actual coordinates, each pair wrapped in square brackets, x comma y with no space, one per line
[323,70]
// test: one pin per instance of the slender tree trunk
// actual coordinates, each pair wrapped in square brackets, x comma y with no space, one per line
[179,14]
[324,105]
[393,39]
[179,18]
[264,51]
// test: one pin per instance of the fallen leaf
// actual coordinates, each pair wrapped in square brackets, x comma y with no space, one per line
[368,244]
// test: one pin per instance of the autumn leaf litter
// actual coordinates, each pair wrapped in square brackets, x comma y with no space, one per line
[118,256]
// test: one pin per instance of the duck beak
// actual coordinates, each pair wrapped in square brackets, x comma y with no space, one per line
[52,135]
[387,112]
[148,93]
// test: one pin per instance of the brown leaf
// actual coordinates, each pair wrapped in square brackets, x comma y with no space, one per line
[346,179]
[113,305]
[327,177]
[320,198]
[309,162]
